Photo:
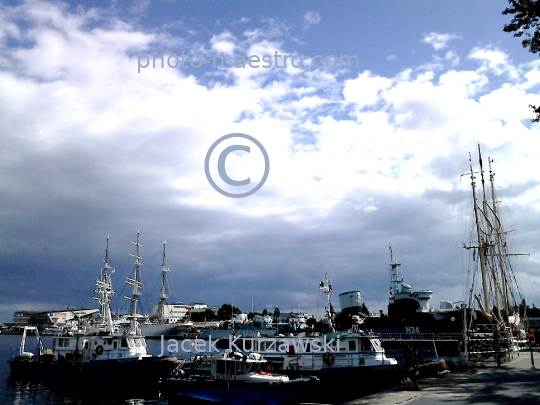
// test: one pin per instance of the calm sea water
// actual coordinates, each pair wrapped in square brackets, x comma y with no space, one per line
[17,392]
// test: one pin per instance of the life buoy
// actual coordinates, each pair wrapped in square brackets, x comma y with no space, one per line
[328,358]
[260,371]
[99,350]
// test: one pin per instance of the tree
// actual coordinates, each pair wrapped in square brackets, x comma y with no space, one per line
[251,315]
[277,314]
[525,23]
[226,311]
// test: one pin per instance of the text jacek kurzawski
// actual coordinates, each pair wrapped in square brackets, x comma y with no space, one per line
[242,344]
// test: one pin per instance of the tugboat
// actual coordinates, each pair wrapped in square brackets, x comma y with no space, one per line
[102,351]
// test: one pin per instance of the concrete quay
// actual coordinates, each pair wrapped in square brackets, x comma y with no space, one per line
[515,382]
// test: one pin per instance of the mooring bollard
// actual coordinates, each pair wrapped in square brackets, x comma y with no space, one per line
[532,357]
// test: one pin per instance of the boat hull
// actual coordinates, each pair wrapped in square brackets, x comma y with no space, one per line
[233,396]
[349,383]
[300,389]
[148,369]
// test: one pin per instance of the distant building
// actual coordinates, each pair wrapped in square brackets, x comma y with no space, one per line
[40,319]
[45,319]
[198,307]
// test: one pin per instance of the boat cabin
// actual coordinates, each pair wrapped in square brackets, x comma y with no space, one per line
[236,366]
[99,347]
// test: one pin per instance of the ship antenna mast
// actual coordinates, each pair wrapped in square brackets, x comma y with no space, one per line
[326,288]
[394,281]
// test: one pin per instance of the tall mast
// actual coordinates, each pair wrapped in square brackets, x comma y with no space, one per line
[491,234]
[498,234]
[481,244]
[135,281]
[163,297]
[104,289]
[504,269]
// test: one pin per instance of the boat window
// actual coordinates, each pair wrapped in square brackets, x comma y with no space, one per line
[124,343]
[221,367]
[63,342]
[376,345]
[85,345]
[115,345]
[137,342]
[352,345]
[365,344]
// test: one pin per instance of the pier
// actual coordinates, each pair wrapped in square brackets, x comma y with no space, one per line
[515,382]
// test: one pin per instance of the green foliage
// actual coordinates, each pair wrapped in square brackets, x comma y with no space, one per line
[251,315]
[225,312]
[537,112]
[206,316]
[525,24]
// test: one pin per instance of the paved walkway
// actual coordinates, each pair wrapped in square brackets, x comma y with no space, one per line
[513,383]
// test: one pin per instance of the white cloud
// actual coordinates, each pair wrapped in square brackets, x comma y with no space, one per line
[224,43]
[494,60]
[312,18]
[365,90]
[439,41]
[90,144]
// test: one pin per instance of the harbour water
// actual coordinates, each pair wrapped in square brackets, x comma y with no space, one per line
[21,392]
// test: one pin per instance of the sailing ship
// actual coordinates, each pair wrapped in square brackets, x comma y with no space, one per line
[494,292]
[168,319]
[102,350]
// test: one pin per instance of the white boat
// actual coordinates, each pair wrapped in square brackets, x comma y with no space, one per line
[101,350]
[234,370]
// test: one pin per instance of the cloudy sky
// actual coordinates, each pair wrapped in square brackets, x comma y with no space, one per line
[367,111]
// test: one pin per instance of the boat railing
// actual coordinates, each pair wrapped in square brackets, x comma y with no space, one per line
[420,336]
[488,344]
